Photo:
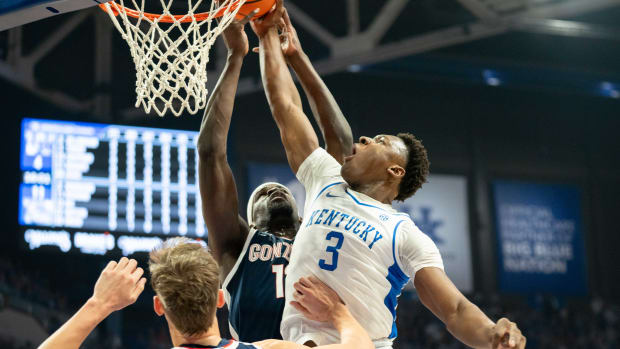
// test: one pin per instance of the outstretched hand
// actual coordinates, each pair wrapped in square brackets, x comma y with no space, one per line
[262,25]
[288,37]
[506,334]
[315,300]
[289,41]
[119,284]
[234,35]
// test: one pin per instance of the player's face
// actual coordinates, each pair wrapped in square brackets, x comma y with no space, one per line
[274,203]
[372,159]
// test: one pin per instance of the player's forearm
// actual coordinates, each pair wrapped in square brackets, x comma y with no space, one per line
[332,122]
[279,87]
[352,334]
[470,325]
[78,327]
[216,121]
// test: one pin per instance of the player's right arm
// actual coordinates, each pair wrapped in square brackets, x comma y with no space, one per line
[118,286]
[318,302]
[218,191]
[332,122]
[298,136]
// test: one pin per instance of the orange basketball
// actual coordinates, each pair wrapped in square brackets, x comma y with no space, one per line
[264,6]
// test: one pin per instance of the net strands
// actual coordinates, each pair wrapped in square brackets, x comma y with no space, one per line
[171,52]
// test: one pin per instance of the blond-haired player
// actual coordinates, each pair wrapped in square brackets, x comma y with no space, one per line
[185,279]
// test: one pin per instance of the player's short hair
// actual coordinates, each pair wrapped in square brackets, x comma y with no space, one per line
[185,277]
[417,167]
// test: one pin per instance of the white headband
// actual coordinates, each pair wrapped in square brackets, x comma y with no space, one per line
[250,208]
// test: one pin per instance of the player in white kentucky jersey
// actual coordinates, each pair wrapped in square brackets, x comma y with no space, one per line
[363,248]
[351,237]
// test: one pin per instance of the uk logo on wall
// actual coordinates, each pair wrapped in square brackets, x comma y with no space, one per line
[439,209]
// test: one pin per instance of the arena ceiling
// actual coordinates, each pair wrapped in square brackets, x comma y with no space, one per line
[79,62]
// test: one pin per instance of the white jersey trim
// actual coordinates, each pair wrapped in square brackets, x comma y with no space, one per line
[395,246]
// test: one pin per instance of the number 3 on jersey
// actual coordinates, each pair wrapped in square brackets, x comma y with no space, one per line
[333,250]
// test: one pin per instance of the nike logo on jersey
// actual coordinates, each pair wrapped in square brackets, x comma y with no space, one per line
[336,219]
[329,195]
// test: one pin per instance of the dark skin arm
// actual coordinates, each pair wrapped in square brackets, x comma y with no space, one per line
[298,136]
[218,191]
[462,318]
[332,122]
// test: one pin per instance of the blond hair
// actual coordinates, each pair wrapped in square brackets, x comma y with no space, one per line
[185,278]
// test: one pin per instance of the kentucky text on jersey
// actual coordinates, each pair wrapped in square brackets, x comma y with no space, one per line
[265,252]
[337,219]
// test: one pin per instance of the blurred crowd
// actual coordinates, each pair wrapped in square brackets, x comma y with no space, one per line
[547,321]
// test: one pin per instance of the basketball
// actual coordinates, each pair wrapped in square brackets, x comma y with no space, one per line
[263,5]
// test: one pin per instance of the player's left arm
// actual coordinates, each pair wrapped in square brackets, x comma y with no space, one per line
[118,286]
[463,318]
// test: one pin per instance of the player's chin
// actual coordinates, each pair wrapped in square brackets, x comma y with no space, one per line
[347,172]
[280,207]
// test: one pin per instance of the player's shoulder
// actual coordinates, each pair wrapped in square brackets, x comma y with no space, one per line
[404,225]
[318,164]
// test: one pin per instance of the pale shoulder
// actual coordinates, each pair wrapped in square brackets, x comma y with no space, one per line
[278,344]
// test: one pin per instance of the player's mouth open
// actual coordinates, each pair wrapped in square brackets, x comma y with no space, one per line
[347,158]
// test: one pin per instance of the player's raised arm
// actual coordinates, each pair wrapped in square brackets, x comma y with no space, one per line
[332,122]
[297,134]
[118,286]
[318,302]
[227,230]
[462,318]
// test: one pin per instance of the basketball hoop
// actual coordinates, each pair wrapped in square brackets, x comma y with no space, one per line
[171,72]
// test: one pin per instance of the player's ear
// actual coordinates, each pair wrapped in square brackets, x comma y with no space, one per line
[396,171]
[158,306]
[220,298]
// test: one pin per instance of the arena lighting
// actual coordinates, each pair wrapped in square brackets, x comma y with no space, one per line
[490,77]
[354,68]
[609,89]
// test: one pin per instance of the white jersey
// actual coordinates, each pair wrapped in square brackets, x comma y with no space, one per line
[363,249]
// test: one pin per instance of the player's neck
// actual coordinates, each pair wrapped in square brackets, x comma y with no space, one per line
[283,226]
[209,338]
[380,191]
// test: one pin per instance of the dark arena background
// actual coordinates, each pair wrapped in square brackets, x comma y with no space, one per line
[517,102]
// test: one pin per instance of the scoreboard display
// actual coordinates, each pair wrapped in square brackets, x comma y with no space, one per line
[94,187]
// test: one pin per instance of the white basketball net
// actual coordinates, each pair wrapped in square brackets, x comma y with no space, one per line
[171,73]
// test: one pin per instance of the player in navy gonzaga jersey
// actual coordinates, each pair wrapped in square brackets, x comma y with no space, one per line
[185,278]
[253,256]
[352,238]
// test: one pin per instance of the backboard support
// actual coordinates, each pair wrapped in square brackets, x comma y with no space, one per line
[14,13]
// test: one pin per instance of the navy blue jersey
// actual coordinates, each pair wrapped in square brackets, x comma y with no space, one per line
[254,288]
[224,344]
